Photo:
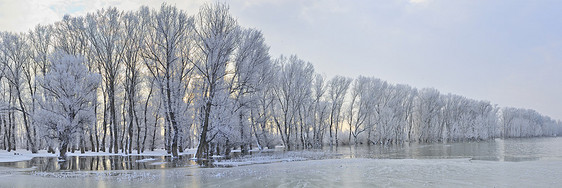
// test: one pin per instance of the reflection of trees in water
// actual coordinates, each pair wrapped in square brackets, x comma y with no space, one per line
[495,150]
[100,163]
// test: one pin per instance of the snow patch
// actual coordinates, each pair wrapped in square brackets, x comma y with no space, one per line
[23,155]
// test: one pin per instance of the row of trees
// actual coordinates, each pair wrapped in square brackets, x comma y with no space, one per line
[147,79]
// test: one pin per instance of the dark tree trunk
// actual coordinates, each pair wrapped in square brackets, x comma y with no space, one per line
[92,142]
[113,114]
[131,124]
[97,146]
[104,124]
[26,124]
[124,138]
[145,119]
[203,139]
[63,149]
[154,132]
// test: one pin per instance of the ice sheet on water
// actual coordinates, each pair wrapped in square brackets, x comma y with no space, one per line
[275,158]
[322,173]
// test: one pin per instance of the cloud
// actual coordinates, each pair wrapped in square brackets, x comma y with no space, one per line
[21,16]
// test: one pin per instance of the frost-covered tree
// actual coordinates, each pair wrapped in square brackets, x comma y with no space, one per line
[70,36]
[66,108]
[517,122]
[134,36]
[104,32]
[216,35]
[337,90]
[41,43]
[260,111]
[167,56]
[170,80]
[250,58]
[360,107]
[429,104]
[15,69]
[293,87]
[319,112]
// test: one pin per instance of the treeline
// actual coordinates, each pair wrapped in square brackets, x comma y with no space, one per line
[133,81]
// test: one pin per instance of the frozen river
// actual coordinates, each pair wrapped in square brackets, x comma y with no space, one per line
[535,162]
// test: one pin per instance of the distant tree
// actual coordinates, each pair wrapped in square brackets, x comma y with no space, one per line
[293,87]
[319,111]
[337,90]
[429,105]
[361,110]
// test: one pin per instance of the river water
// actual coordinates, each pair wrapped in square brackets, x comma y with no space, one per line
[514,150]
[528,162]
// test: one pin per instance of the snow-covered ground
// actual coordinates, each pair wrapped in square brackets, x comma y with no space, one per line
[357,172]
[22,155]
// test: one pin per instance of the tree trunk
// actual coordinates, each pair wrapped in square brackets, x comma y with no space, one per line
[145,118]
[113,114]
[203,138]
[105,127]
[92,142]
[97,147]
[26,124]
[154,132]
[138,137]
[131,124]
[176,134]
[63,150]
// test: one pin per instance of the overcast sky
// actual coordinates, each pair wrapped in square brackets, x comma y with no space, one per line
[508,52]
